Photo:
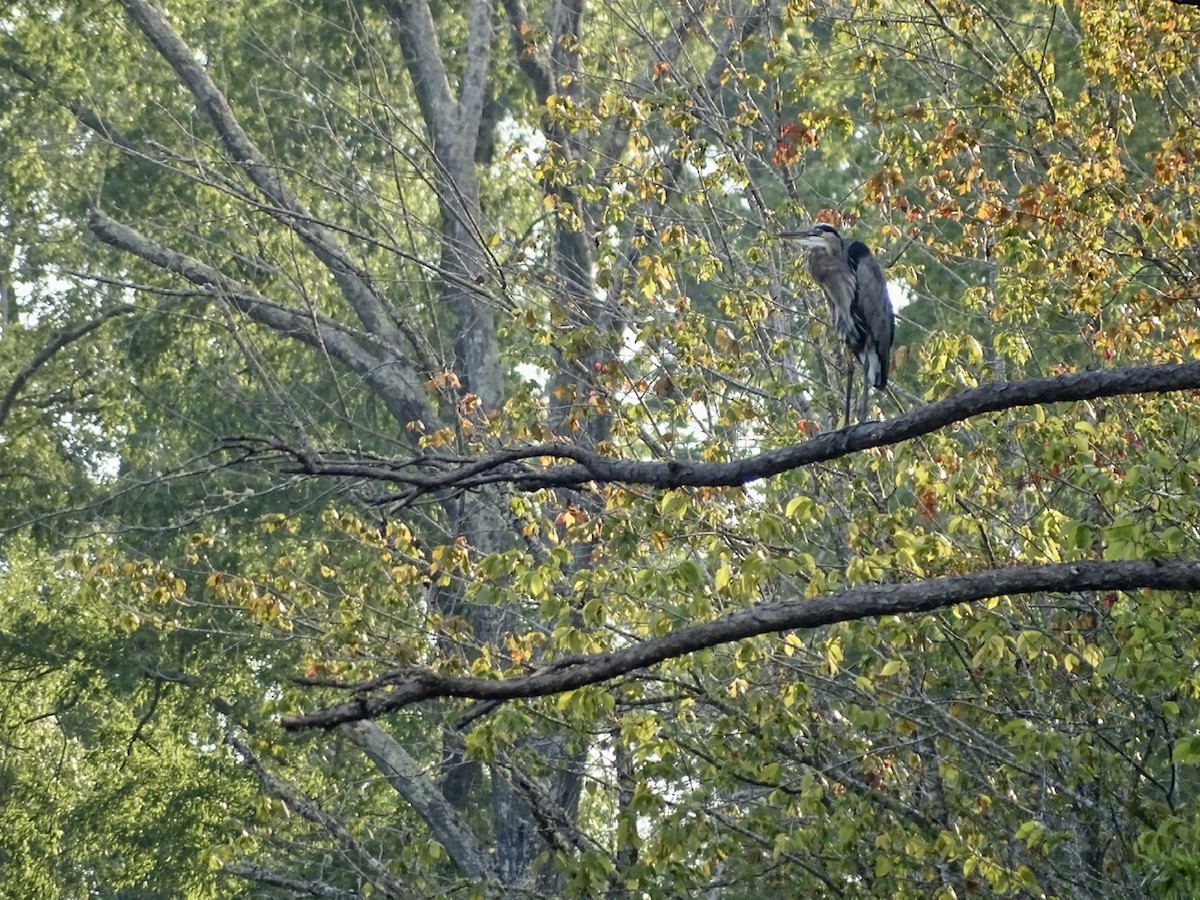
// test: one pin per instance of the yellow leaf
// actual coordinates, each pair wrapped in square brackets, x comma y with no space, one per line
[796,504]
[722,577]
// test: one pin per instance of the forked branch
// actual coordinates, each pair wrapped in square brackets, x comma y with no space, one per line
[533,467]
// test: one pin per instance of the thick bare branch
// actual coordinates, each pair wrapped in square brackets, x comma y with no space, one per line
[405,775]
[353,281]
[395,379]
[533,63]
[472,90]
[429,474]
[453,132]
[156,155]
[419,43]
[413,686]
[591,467]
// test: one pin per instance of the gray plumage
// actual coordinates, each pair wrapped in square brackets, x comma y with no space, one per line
[852,281]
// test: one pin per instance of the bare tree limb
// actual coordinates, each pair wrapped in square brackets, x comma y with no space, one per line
[419,43]
[157,155]
[405,775]
[524,467]
[47,353]
[299,886]
[452,124]
[472,89]
[410,686]
[453,129]
[307,808]
[395,378]
[354,282]
[532,61]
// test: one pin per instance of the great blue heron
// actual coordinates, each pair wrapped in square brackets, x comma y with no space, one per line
[852,281]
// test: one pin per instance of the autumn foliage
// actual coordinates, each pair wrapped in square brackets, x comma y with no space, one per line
[419,471]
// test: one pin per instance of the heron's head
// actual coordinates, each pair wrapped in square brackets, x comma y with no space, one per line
[818,238]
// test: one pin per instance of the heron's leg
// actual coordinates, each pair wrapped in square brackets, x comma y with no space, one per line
[850,365]
[862,403]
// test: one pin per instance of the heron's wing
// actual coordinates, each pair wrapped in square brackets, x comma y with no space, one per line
[872,309]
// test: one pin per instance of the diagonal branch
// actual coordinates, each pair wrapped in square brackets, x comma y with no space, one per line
[452,124]
[525,468]
[44,355]
[157,155]
[354,282]
[453,129]
[307,808]
[300,887]
[405,775]
[533,62]
[472,89]
[417,34]
[413,686]
[396,380]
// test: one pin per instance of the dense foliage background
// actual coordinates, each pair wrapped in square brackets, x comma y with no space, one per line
[276,273]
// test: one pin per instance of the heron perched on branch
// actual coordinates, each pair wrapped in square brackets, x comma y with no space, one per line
[852,281]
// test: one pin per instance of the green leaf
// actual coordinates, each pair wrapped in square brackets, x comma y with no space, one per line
[1187,750]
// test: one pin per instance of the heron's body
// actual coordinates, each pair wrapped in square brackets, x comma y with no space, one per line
[852,281]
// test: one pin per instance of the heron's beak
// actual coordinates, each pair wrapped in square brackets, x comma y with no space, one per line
[795,235]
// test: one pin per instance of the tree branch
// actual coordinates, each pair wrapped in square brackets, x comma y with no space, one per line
[300,887]
[307,808]
[354,283]
[472,89]
[47,353]
[515,466]
[405,775]
[396,380]
[453,129]
[533,62]
[410,686]
[665,54]
[417,35]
